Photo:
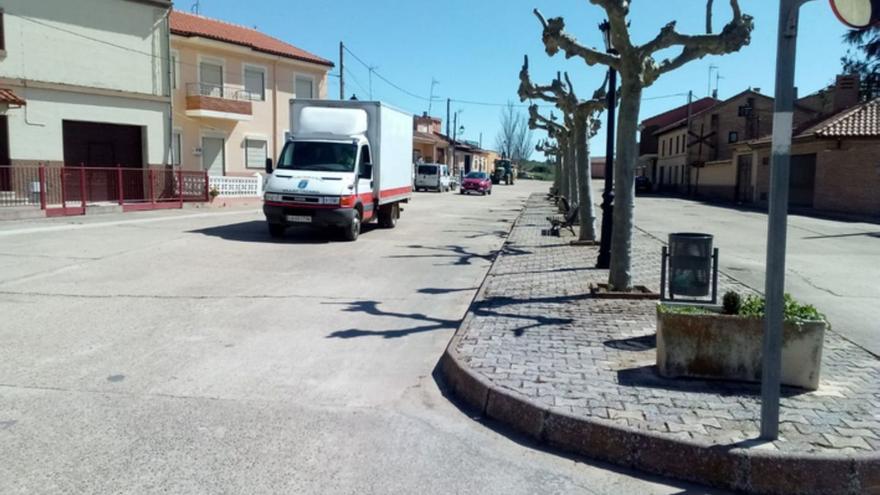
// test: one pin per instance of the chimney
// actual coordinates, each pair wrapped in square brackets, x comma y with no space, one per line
[846,92]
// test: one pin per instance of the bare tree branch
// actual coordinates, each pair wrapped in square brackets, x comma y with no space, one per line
[555,39]
[709,16]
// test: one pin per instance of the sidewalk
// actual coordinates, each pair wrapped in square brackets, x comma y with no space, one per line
[538,353]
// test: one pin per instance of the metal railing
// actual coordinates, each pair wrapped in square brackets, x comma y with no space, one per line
[222,91]
[68,190]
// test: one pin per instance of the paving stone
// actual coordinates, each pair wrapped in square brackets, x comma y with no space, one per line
[536,331]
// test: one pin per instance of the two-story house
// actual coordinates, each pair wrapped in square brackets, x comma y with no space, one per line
[232,92]
[84,82]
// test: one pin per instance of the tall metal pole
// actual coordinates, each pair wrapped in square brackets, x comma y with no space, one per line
[774,289]
[341,72]
[604,259]
[450,150]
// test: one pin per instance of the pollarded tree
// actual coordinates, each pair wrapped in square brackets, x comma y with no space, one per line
[580,114]
[639,69]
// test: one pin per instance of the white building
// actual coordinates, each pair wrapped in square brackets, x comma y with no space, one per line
[94,78]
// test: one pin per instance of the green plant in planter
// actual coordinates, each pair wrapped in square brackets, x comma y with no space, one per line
[731,303]
[792,311]
[214,192]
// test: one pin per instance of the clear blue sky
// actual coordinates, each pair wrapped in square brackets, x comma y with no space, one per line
[474,48]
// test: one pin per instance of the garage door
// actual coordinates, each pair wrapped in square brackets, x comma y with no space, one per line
[96,144]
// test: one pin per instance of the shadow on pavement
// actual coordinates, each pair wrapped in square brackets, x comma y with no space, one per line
[647,376]
[529,443]
[643,343]
[459,254]
[437,291]
[256,231]
[372,308]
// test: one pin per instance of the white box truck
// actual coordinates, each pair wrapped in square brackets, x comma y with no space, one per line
[344,163]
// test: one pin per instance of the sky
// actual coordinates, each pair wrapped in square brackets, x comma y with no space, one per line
[475,48]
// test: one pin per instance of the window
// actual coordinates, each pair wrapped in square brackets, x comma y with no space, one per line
[663,147]
[677,144]
[255,153]
[255,83]
[365,155]
[2,31]
[732,137]
[176,147]
[304,87]
[211,79]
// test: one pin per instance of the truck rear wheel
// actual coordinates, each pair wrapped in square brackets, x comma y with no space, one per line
[388,215]
[276,230]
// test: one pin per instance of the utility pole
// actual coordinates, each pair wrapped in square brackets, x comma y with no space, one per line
[450,150]
[341,72]
[687,138]
[774,288]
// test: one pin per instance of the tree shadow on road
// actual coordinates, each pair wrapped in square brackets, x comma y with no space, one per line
[256,231]
[460,255]
[491,307]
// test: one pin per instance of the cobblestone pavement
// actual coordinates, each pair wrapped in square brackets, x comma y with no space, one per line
[535,330]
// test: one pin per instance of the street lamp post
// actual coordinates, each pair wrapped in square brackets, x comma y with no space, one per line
[604,259]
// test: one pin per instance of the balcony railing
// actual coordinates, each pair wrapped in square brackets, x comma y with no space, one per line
[219,101]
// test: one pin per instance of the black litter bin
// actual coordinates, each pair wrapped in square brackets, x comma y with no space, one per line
[690,264]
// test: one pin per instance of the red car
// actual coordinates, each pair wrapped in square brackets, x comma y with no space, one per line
[478,182]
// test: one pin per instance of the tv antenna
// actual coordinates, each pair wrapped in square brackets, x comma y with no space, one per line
[196,7]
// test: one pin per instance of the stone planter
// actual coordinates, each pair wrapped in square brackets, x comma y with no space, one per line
[729,347]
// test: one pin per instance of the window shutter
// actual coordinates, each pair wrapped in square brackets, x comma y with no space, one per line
[304,88]
[255,84]
[255,152]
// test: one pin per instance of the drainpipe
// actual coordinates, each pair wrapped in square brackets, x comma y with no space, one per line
[275,109]
[170,86]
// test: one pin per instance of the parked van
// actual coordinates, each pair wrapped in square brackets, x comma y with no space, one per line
[346,163]
[432,176]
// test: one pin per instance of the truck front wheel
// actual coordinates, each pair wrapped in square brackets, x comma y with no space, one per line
[388,215]
[353,229]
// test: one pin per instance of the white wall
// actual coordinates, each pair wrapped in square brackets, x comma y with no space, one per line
[35,131]
[55,41]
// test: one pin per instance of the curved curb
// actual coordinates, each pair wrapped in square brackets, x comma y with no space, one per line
[729,467]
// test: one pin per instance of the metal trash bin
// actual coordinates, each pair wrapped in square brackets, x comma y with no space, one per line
[690,264]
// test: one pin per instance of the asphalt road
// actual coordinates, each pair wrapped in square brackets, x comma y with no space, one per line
[186,352]
[834,265]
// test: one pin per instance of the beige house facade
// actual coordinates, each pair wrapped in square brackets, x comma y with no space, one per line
[232,88]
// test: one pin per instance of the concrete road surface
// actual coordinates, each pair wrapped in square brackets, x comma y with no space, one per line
[186,352]
[834,265]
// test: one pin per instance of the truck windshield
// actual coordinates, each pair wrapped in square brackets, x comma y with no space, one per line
[318,156]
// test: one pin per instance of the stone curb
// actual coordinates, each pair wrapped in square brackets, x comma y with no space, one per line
[729,467]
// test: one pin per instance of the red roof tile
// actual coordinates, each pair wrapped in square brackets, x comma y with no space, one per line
[184,24]
[680,113]
[859,121]
[8,97]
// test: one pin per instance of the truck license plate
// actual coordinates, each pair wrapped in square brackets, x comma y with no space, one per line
[299,219]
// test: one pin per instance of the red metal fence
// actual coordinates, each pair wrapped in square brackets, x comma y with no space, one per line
[68,190]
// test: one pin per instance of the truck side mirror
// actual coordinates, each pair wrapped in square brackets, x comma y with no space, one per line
[268,165]
[366,171]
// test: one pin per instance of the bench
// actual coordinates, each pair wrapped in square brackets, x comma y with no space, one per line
[567,221]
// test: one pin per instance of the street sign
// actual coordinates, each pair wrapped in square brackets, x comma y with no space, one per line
[857,14]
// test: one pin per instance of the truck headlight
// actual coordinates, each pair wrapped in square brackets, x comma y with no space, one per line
[272,197]
[331,200]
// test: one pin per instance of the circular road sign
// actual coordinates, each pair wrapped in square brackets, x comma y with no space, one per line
[857,14]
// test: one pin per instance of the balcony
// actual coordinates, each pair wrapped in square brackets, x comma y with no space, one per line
[218,102]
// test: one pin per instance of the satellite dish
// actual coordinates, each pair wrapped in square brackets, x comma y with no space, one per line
[857,14]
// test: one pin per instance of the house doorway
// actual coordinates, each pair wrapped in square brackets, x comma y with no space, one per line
[211,79]
[742,191]
[5,171]
[802,183]
[213,155]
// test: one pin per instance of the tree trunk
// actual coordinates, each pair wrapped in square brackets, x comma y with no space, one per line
[572,168]
[625,158]
[563,170]
[586,214]
[557,174]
